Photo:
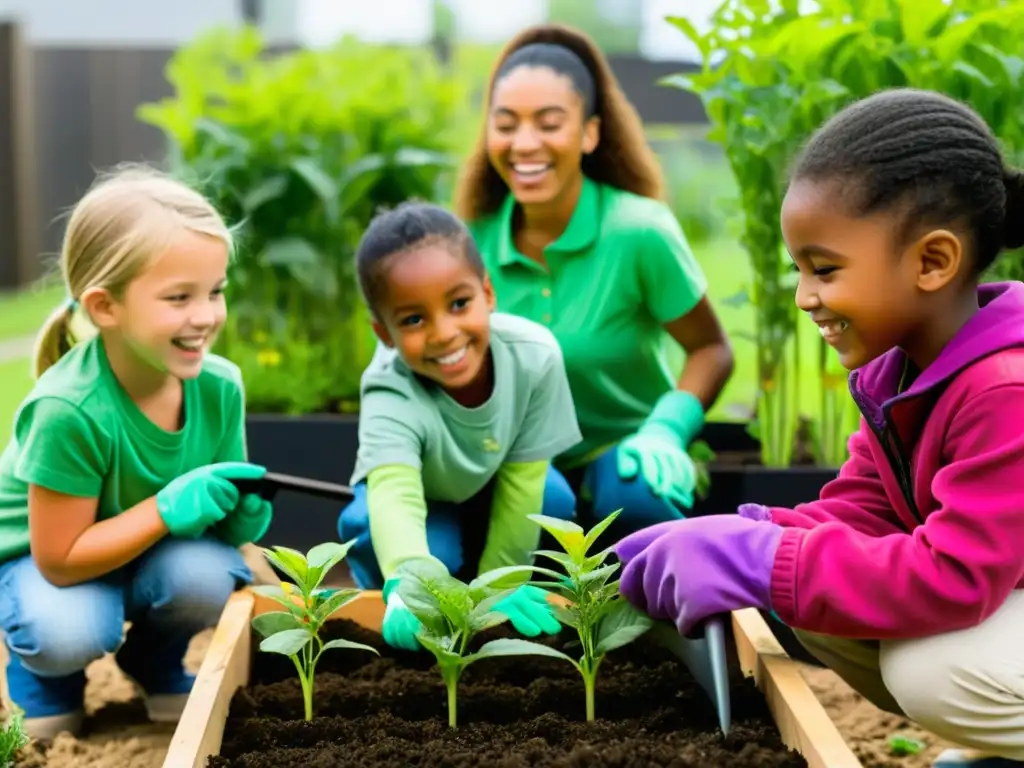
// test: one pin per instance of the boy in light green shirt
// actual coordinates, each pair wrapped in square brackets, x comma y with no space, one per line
[462,411]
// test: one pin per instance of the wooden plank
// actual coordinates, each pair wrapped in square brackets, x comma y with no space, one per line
[225,669]
[802,720]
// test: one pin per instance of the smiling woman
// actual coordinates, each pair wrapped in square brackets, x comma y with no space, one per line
[564,199]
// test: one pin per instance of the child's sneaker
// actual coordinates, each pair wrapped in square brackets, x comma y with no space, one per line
[960,758]
[50,705]
[164,694]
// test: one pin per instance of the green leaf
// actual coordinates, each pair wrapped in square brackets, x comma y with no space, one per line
[621,625]
[516,647]
[287,643]
[597,530]
[336,600]
[349,645]
[565,532]
[278,594]
[269,190]
[599,576]
[494,578]
[291,562]
[272,622]
[322,558]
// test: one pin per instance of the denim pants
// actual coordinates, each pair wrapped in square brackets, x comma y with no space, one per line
[456,533]
[170,593]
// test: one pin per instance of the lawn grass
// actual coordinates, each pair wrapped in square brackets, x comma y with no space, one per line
[22,313]
[16,378]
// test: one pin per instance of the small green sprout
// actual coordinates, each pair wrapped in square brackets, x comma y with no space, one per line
[602,618]
[902,746]
[12,738]
[452,613]
[295,632]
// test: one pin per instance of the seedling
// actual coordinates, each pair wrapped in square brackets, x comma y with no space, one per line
[295,632]
[452,614]
[12,738]
[602,618]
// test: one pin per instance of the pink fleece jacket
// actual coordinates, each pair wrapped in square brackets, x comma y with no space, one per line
[922,532]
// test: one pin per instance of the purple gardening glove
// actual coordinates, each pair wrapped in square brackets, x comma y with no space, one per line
[758,512]
[688,570]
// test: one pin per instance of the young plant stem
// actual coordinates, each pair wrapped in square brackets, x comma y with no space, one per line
[451,682]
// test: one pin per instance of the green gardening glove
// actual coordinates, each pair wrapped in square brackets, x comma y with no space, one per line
[247,522]
[529,611]
[400,626]
[657,451]
[203,497]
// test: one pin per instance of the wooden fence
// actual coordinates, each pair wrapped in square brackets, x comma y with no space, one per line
[67,112]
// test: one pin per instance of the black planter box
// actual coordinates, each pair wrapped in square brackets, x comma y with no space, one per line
[323,447]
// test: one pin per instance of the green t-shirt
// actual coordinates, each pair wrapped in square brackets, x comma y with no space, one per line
[621,270]
[79,433]
[407,420]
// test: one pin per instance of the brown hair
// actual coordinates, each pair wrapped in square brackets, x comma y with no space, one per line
[622,159]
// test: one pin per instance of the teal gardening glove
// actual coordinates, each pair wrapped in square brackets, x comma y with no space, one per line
[203,497]
[529,611]
[247,522]
[400,626]
[657,451]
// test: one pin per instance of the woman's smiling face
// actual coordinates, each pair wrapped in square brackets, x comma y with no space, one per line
[537,133]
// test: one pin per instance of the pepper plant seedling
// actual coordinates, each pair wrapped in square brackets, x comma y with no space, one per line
[295,632]
[452,614]
[601,616]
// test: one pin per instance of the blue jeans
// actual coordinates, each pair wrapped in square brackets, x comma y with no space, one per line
[456,533]
[170,593]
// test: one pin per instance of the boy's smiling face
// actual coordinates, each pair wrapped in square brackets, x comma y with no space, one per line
[435,310]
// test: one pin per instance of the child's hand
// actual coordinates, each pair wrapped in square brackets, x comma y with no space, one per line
[247,523]
[203,497]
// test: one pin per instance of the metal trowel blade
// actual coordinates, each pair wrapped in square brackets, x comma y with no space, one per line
[706,659]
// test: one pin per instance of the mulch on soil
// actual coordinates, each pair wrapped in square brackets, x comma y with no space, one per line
[515,712]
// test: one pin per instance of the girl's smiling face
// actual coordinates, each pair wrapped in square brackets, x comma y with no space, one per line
[854,283]
[435,310]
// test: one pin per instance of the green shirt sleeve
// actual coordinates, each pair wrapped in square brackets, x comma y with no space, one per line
[671,279]
[390,432]
[398,516]
[233,447]
[60,448]
[512,536]
[550,425]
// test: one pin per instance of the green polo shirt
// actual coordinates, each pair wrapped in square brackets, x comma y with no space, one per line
[620,271]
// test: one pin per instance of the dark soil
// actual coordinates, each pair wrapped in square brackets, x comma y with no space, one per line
[517,712]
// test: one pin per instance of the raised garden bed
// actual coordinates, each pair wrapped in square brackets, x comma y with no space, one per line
[247,708]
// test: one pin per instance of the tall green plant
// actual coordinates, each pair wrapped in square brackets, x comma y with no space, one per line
[300,149]
[773,72]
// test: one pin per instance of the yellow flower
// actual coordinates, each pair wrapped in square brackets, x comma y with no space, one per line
[259,337]
[268,358]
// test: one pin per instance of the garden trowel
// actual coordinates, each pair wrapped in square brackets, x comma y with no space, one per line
[705,657]
[272,482]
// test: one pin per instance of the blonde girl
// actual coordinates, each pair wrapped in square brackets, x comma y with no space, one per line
[116,494]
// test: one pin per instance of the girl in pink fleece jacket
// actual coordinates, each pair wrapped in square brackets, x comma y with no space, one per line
[906,575]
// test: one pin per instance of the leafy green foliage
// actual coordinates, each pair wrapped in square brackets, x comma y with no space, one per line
[452,613]
[300,149]
[295,631]
[12,738]
[595,608]
[772,73]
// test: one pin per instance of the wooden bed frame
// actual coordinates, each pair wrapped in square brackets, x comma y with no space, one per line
[802,721]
